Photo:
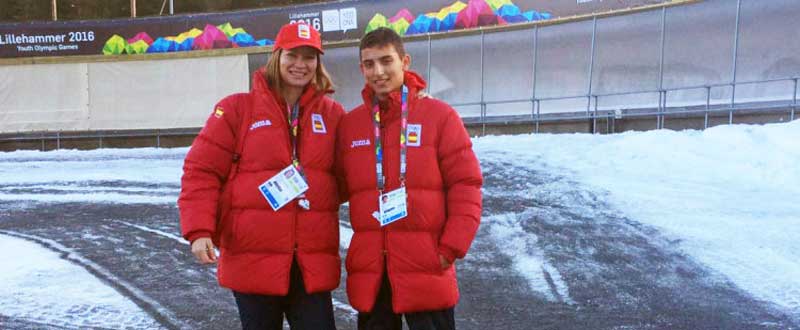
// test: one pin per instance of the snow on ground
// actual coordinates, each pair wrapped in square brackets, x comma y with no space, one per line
[529,260]
[729,193]
[60,293]
[148,176]
[130,176]
[150,165]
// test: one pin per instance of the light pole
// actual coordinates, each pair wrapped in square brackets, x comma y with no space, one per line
[54,10]
[133,8]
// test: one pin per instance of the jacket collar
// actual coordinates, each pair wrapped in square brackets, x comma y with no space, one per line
[390,109]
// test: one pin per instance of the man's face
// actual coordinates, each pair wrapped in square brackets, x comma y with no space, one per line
[383,69]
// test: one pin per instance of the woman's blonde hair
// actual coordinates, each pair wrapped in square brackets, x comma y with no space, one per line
[321,81]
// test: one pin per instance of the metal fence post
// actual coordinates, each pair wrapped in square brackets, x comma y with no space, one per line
[663,108]
[537,114]
[661,63]
[794,100]
[483,101]
[534,102]
[58,140]
[708,106]
[613,121]
[429,64]
[663,42]
[662,94]
[594,116]
[658,115]
[591,68]
[735,59]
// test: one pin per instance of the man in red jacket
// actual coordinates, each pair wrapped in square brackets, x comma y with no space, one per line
[414,186]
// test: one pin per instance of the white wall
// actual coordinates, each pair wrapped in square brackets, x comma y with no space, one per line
[152,94]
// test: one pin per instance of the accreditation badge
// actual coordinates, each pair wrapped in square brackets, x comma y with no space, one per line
[392,206]
[282,188]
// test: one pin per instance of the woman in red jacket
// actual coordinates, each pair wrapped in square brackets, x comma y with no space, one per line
[243,192]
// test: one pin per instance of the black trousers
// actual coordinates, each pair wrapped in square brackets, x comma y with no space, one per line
[303,311]
[383,318]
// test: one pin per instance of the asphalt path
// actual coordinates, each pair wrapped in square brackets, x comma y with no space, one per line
[550,254]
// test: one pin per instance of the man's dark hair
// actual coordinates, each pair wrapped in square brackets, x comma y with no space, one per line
[381,37]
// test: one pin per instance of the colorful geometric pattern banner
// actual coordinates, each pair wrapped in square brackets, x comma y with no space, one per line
[337,20]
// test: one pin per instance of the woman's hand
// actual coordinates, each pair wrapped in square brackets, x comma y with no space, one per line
[445,264]
[203,250]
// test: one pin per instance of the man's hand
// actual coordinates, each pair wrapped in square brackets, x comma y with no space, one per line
[445,264]
[203,250]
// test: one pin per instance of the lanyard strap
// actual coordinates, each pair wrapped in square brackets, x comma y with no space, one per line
[376,120]
[294,120]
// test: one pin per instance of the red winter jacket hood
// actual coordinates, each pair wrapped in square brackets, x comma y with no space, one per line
[443,183]
[257,244]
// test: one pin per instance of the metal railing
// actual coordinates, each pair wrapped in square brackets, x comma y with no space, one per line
[660,109]
[59,137]
[591,112]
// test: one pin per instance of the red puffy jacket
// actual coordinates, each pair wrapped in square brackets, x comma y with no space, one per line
[256,243]
[443,183]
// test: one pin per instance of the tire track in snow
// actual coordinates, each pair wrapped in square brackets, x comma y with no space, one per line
[149,305]
[336,303]
[619,273]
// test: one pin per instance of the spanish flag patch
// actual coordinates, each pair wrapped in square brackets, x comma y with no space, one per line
[414,135]
[317,124]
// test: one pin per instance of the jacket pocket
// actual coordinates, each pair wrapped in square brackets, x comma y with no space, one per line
[365,253]
[433,254]
[413,252]
[223,227]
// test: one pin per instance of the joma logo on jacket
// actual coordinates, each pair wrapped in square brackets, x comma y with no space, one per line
[360,143]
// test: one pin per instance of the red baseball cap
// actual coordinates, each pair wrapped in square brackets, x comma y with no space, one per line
[296,35]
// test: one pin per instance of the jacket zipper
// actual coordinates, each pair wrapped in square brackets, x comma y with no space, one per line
[294,215]
[385,251]
[383,229]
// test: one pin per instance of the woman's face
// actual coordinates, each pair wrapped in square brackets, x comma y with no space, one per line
[298,66]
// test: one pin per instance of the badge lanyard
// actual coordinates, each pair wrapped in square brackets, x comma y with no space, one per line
[294,120]
[376,120]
